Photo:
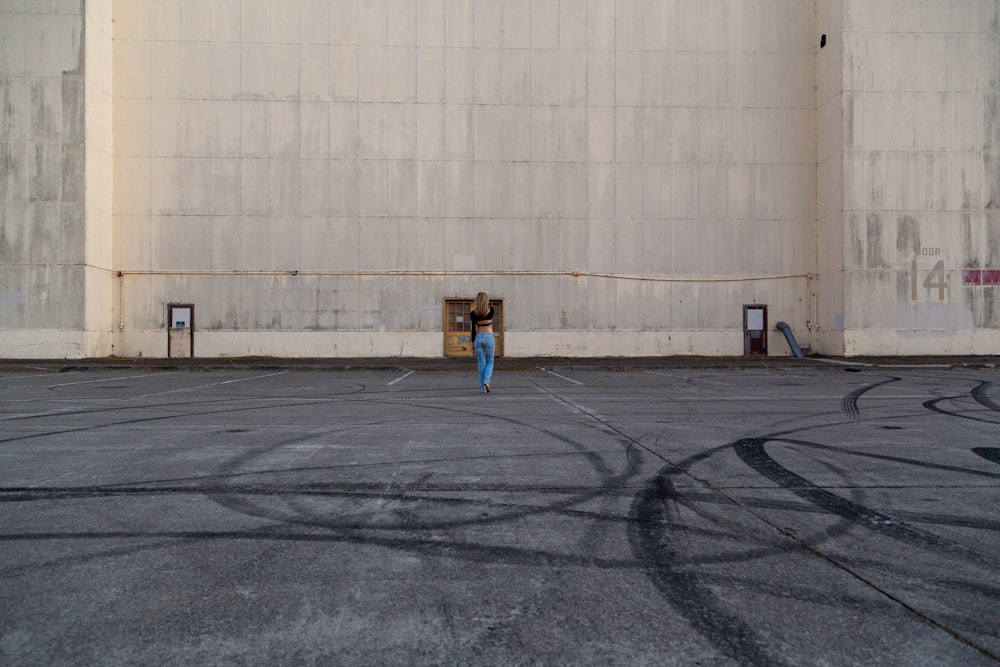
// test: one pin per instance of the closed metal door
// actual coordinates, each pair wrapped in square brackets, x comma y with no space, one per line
[180,330]
[754,330]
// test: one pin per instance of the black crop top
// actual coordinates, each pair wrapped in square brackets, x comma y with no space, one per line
[476,319]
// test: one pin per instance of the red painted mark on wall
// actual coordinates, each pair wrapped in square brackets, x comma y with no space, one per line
[973,277]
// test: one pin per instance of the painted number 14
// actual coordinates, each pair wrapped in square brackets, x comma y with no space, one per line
[935,279]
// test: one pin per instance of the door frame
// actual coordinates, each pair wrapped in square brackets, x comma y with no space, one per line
[753,346]
[170,320]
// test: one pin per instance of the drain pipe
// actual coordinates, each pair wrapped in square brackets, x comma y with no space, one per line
[796,350]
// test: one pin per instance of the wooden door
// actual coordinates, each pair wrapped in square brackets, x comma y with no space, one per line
[458,326]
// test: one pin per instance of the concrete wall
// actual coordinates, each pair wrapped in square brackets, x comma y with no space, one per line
[921,177]
[828,318]
[336,169]
[98,178]
[316,176]
[42,184]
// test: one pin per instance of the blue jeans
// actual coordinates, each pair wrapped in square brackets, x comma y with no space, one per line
[484,346]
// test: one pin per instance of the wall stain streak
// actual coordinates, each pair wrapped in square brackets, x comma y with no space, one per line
[908,236]
[875,257]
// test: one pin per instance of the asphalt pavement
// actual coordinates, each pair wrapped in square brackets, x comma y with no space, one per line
[601,512]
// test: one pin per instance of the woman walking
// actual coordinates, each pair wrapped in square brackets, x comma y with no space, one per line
[482,339]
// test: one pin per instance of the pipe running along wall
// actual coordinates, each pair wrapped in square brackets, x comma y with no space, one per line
[785,329]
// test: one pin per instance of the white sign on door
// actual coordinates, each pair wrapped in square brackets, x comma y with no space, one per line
[181,318]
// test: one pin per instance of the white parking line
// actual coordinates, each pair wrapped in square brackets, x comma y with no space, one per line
[683,377]
[33,375]
[120,399]
[47,413]
[114,379]
[402,377]
[212,384]
[563,377]
[668,375]
[777,374]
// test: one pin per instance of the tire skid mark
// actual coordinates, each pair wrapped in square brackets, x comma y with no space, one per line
[654,538]
[849,404]
[141,545]
[298,515]
[934,407]
[893,459]
[653,523]
[988,453]
[981,397]
[470,551]
[178,415]
[979,394]
[753,452]
[655,535]
[654,545]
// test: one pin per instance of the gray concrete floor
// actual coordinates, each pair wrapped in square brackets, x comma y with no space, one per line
[653,513]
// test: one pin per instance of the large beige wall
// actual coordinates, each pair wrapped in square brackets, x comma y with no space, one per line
[99,274]
[42,184]
[827,291]
[316,175]
[921,177]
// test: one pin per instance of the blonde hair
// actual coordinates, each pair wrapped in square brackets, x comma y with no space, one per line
[482,305]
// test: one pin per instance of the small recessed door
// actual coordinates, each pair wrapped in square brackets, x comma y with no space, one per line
[180,330]
[754,330]
[458,327]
